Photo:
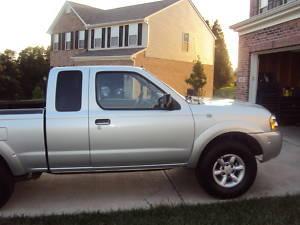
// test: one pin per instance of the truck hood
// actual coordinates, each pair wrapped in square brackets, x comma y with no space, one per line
[216,111]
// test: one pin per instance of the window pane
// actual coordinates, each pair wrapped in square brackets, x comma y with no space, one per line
[123,90]
[68,91]
[133,40]
[263,3]
[81,35]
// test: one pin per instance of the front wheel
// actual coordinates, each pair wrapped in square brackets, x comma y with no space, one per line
[227,170]
[6,184]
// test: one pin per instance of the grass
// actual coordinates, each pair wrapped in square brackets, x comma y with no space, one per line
[267,211]
[226,92]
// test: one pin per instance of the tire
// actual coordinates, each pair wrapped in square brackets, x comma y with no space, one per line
[212,169]
[7,184]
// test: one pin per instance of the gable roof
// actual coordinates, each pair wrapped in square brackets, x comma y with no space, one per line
[95,16]
[90,16]
[135,12]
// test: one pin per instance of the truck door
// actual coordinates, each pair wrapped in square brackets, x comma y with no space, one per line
[128,130]
[67,119]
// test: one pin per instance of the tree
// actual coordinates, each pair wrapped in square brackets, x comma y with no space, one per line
[223,71]
[197,78]
[33,63]
[9,76]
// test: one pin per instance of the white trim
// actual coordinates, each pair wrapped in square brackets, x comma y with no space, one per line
[281,14]
[253,82]
[99,58]
[115,48]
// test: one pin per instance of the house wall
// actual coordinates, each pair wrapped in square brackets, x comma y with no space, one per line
[174,73]
[254,5]
[66,23]
[279,36]
[166,30]
[105,62]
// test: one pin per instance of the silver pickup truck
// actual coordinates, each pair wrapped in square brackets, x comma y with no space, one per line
[112,119]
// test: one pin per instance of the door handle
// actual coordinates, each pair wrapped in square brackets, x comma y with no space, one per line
[102,122]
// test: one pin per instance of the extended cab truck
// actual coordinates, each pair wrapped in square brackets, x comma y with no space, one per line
[100,119]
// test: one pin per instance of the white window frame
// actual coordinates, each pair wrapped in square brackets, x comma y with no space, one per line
[68,39]
[263,6]
[98,35]
[55,42]
[114,34]
[81,39]
[133,31]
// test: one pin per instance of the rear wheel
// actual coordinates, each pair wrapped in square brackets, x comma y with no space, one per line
[227,170]
[7,184]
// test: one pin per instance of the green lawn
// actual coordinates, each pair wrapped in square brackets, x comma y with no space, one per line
[226,92]
[268,211]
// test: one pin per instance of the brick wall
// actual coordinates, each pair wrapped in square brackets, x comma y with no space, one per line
[279,36]
[105,62]
[254,4]
[174,72]
[67,23]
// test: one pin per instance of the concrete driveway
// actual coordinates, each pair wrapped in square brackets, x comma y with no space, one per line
[104,192]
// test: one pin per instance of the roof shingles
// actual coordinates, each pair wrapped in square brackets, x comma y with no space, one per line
[94,16]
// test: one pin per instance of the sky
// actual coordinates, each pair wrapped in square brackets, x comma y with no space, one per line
[24,23]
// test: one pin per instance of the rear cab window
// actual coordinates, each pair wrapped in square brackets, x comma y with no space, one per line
[68,91]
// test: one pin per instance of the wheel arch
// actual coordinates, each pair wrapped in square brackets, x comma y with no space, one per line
[239,136]
[243,138]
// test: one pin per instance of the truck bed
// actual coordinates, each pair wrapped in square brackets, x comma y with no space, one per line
[23,104]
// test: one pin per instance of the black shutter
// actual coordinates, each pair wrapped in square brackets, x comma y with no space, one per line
[59,41]
[121,30]
[140,34]
[86,39]
[52,42]
[63,42]
[103,37]
[72,40]
[92,38]
[76,39]
[108,37]
[126,34]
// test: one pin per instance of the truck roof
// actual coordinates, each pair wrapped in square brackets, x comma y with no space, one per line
[100,67]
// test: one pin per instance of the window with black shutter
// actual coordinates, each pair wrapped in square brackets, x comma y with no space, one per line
[92,38]
[121,30]
[103,37]
[60,41]
[140,34]
[108,37]
[86,38]
[63,44]
[72,40]
[76,39]
[126,35]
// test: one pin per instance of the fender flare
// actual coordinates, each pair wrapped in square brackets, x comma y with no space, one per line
[202,140]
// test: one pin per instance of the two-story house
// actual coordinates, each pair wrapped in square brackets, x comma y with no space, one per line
[164,37]
[269,57]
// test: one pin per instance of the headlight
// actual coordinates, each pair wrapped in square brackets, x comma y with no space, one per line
[273,123]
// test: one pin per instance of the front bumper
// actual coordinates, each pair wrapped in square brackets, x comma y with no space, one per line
[271,144]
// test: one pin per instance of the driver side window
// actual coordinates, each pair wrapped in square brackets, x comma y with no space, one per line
[126,90]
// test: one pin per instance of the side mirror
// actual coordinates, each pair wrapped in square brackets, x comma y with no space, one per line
[165,102]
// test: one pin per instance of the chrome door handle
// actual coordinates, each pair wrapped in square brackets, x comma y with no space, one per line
[102,122]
